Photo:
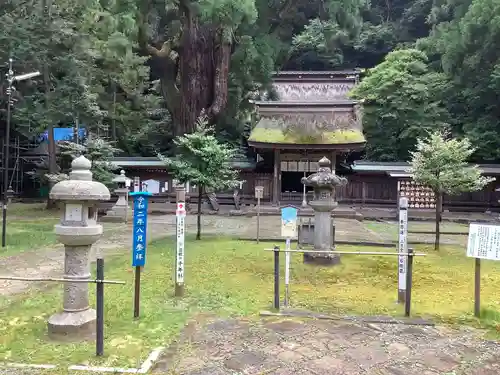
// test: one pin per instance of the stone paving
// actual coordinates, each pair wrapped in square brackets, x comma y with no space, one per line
[321,347]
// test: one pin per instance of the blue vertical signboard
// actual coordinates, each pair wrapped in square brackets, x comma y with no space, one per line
[139,243]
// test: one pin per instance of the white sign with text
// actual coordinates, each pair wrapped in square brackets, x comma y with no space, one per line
[179,264]
[484,241]
[403,242]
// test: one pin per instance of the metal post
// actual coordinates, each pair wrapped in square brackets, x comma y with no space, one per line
[477,288]
[304,193]
[287,272]
[258,219]
[137,293]
[409,277]
[5,162]
[99,344]
[277,277]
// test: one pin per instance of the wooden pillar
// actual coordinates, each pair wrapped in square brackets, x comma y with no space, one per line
[276,178]
[333,159]
[363,194]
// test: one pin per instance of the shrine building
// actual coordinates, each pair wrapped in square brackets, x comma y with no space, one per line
[312,118]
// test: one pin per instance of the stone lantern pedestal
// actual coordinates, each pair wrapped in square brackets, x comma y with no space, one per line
[78,230]
[121,210]
[324,183]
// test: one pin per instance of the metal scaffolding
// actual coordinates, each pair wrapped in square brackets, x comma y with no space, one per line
[18,164]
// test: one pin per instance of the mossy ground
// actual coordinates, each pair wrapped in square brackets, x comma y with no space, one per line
[422,226]
[234,278]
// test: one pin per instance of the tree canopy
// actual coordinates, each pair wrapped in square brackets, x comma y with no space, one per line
[140,72]
[440,162]
[204,161]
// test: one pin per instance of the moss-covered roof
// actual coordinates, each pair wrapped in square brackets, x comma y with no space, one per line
[278,131]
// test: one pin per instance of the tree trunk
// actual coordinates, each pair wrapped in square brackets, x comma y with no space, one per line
[196,81]
[439,210]
[198,218]
[197,73]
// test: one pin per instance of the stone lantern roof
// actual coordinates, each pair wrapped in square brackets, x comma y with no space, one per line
[121,178]
[80,186]
[324,178]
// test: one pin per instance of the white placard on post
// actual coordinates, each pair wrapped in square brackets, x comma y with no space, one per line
[181,209]
[287,262]
[179,259]
[484,241]
[402,247]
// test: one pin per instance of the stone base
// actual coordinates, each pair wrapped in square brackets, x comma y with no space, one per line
[77,326]
[113,219]
[321,260]
[118,215]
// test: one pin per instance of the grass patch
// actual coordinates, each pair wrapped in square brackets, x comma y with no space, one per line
[234,278]
[29,227]
[391,229]
[31,210]
[28,235]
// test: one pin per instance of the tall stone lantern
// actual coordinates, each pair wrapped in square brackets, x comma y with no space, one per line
[324,182]
[77,231]
[121,210]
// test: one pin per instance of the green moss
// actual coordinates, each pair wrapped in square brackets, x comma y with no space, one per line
[328,137]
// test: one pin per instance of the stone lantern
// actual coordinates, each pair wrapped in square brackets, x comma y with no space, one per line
[77,231]
[120,211]
[10,194]
[324,182]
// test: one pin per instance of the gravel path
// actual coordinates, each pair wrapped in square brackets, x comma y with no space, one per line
[49,262]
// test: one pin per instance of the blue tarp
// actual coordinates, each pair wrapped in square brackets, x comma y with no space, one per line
[64,134]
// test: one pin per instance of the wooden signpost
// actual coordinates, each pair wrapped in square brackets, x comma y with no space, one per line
[259,193]
[483,243]
[289,232]
[180,215]
[139,242]
[402,248]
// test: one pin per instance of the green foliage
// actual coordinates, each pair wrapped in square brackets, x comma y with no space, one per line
[465,44]
[401,104]
[92,73]
[440,163]
[228,13]
[97,150]
[202,160]
[98,70]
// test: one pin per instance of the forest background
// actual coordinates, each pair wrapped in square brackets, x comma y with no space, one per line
[139,72]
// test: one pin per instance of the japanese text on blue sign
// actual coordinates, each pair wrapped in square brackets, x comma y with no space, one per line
[139,237]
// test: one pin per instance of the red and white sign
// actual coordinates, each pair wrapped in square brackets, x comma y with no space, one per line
[181,209]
